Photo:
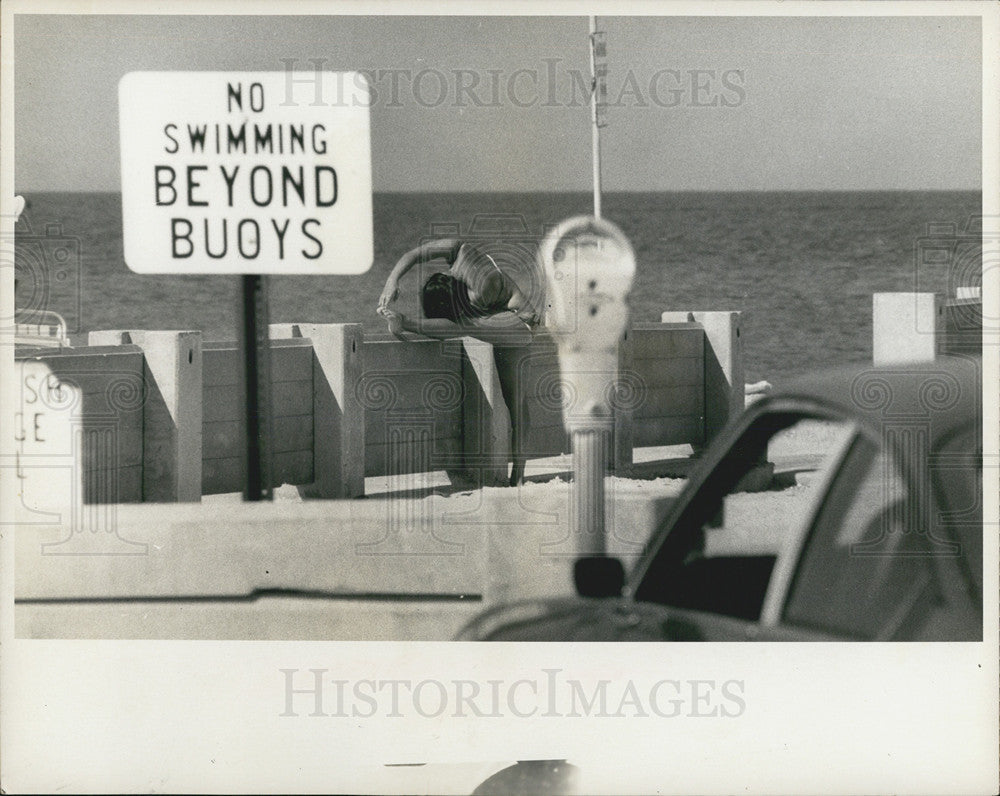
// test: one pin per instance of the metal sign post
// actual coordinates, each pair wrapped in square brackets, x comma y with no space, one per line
[255,354]
[589,266]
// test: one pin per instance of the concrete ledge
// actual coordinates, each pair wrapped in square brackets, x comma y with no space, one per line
[232,550]
[277,617]
[371,569]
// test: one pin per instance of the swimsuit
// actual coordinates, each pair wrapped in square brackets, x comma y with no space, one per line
[494,288]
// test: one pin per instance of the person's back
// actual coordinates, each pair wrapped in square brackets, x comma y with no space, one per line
[501,278]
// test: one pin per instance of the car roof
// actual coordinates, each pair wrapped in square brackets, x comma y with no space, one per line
[947,390]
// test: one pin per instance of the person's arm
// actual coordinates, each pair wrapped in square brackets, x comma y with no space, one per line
[437,328]
[503,328]
[446,249]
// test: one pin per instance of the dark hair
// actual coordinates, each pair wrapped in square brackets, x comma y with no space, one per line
[446,296]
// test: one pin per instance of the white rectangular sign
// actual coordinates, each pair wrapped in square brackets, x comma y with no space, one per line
[48,458]
[246,172]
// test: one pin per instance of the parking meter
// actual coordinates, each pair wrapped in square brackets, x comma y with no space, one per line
[589,266]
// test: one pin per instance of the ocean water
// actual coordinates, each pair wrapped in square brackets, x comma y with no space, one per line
[801,266]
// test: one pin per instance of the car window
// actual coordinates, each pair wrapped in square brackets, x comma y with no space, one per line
[719,555]
[863,571]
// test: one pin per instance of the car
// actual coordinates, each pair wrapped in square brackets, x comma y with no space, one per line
[884,542]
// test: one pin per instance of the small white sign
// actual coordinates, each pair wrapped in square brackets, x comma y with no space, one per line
[47,454]
[246,172]
[66,467]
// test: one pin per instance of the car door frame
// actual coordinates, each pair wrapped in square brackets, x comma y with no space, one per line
[787,557]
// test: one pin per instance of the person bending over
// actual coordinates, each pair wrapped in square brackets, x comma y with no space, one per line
[493,297]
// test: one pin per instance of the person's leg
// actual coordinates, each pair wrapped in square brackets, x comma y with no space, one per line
[508,362]
[519,433]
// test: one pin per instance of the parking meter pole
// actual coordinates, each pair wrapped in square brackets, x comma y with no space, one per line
[255,352]
[590,451]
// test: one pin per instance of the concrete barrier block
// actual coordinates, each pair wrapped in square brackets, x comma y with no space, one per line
[338,418]
[630,389]
[411,392]
[723,365]
[172,412]
[485,422]
[724,378]
[108,416]
[677,316]
[905,327]
[962,327]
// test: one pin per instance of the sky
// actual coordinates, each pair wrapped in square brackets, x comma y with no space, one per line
[494,103]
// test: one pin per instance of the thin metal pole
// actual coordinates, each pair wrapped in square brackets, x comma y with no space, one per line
[255,348]
[590,446]
[595,133]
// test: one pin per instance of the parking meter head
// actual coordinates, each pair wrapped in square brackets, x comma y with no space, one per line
[589,266]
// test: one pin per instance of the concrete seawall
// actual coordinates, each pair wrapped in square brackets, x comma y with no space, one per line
[346,408]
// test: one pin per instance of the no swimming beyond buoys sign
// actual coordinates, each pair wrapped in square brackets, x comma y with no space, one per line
[246,172]
[250,174]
